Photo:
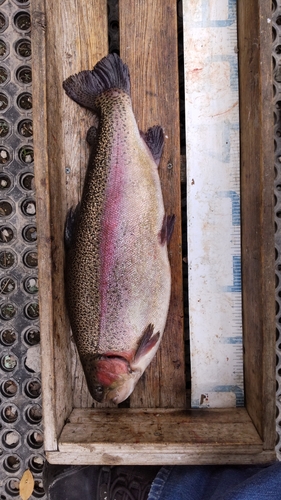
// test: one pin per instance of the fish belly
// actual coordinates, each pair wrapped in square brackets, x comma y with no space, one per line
[134,284]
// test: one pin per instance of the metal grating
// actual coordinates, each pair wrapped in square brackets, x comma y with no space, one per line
[21,435]
[276,60]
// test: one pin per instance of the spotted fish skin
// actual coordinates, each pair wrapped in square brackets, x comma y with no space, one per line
[117,269]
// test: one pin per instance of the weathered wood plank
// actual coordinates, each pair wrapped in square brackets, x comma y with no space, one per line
[148,438]
[64,42]
[81,396]
[160,436]
[148,44]
[203,455]
[78,46]
[256,119]
[158,426]
[225,415]
[41,169]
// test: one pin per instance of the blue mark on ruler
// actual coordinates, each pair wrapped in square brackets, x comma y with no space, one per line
[236,267]
[235,205]
[207,22]
[232,340]
[224,128]
[236,259]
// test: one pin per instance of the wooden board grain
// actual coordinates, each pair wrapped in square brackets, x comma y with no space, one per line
[92,416]
[168,455]
[160,436]
[153,435]
[256,120]
[43,222]
[64,42]
[148,44]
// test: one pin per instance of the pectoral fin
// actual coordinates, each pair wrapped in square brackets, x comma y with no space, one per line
[148,340]
[70,225]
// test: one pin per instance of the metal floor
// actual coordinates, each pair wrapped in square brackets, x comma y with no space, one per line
[20,410]
[21,433]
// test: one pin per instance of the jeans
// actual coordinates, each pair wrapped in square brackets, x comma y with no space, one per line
[214,482]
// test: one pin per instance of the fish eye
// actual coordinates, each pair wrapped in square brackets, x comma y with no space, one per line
[98,393]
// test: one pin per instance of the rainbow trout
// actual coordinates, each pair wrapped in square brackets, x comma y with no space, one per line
[117,269]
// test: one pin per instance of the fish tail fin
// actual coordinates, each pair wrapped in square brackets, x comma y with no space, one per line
[109,73]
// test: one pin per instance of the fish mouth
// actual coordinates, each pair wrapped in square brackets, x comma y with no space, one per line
[123,386]
[110,378]
[123,390]
[117,392]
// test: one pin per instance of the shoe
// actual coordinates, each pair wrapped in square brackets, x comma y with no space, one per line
[92,482]
[125,482]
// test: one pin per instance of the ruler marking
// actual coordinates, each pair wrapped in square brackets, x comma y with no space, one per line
[213,202]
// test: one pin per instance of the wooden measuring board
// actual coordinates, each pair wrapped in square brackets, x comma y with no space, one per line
[159,428]
[213,202]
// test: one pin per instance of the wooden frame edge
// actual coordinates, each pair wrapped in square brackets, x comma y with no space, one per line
[201,456]
[256,115]
[43,219]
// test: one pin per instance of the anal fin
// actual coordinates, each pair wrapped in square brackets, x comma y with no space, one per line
[167,229]
[154,139]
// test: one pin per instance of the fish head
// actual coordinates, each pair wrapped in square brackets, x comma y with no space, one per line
[110,378]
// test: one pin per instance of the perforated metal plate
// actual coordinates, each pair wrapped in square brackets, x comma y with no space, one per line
[21,435]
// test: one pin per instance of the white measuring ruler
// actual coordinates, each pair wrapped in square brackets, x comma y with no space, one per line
[213,202]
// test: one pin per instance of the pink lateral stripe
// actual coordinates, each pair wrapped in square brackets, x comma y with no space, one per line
[110,224]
